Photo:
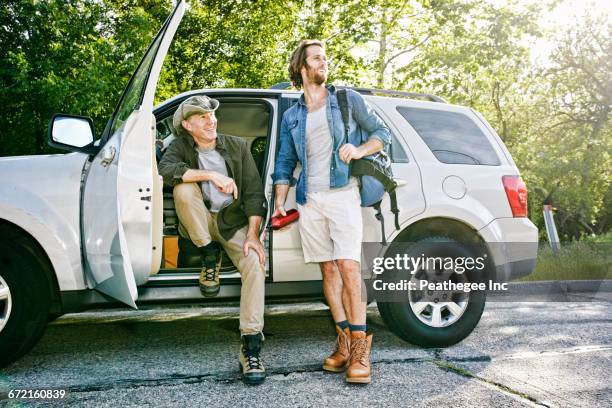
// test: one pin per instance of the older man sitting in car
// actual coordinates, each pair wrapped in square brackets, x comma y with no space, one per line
[219,199]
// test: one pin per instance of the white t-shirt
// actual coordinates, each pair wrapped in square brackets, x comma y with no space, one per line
[318,150]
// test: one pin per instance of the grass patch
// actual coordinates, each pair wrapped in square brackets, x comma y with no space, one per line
[598,239]
[588,259]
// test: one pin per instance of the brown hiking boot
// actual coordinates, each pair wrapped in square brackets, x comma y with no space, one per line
[339,358]
[251,366]
[358,370]
[209,274]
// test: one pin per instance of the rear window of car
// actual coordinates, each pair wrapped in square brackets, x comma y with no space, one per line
[452,137]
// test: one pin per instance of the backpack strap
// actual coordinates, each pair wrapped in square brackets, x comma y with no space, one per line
[394,208]
[364,168]
[343,104]
[344,110]
[389,184]
[379,216]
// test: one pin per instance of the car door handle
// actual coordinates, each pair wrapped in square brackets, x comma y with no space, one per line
[108,156]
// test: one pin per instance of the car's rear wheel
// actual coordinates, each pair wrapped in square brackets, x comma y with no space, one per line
[24,298]
[6,303]
[433,318]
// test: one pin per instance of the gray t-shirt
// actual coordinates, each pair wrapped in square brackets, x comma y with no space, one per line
[318,150]
[212,160]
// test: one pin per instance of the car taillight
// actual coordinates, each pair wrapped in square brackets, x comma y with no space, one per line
[516,190]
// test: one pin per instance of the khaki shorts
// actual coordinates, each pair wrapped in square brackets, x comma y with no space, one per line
[331,226]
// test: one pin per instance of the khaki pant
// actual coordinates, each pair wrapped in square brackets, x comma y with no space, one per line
[197,223]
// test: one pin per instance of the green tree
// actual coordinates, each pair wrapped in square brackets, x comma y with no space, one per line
[575,133]
[76,56]
[67,56]
[229,44]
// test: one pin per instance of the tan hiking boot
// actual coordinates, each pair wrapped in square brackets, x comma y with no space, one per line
[209,281]
[339,358]
[251,366]
[358,370]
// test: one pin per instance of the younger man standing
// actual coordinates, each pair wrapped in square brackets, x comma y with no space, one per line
[330,223]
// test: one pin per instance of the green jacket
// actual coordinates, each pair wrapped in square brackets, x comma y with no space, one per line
[181,156]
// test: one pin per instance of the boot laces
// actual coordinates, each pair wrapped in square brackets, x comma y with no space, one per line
[336,345]
[340,344]
[253,360]
[210,274]
[360,351]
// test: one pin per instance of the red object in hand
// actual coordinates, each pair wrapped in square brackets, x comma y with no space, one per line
[281,221]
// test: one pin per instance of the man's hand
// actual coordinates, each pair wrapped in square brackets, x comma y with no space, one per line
[225,184]
[279,209]
[281,191]
[349,152]
[253,242]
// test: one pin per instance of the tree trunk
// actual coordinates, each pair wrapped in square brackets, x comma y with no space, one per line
[382,52]
[586,162]
[496,97]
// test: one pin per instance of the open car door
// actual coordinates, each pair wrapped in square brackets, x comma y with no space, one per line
[122,198]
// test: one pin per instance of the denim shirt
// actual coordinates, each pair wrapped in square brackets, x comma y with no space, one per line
[364,124]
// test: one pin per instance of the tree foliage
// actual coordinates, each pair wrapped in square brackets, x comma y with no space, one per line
[66,56]
[76,56]
[572,100]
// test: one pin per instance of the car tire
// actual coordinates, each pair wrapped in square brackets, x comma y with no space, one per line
[400,316]
[24,297]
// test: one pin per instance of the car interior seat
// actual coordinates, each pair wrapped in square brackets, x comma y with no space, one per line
[258,151]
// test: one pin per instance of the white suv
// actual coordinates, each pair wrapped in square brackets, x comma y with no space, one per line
[95,226]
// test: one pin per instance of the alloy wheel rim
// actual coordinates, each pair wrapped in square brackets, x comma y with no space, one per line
[6,303]
[438,308]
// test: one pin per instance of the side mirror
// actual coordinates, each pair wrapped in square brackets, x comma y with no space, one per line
[72,133]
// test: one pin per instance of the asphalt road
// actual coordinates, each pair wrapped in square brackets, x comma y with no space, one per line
[521,354]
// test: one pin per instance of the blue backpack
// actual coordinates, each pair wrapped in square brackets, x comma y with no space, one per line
[373,173]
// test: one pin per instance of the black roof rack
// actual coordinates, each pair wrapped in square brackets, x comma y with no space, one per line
[373,91]
[281,85]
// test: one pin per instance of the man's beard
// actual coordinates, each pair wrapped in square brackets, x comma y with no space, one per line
[316,77]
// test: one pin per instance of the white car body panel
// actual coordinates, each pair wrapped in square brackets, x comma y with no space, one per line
[287,255]
[41,194]
[511,241]
[484,185]
[124,249]
[142,220]
[514,236]
[138,189]
[484,199]
[108,265]
[410,193]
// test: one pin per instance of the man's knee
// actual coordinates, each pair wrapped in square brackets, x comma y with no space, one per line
[250,266]
[185,192]
[329,271]
[348,266]
[327,267]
